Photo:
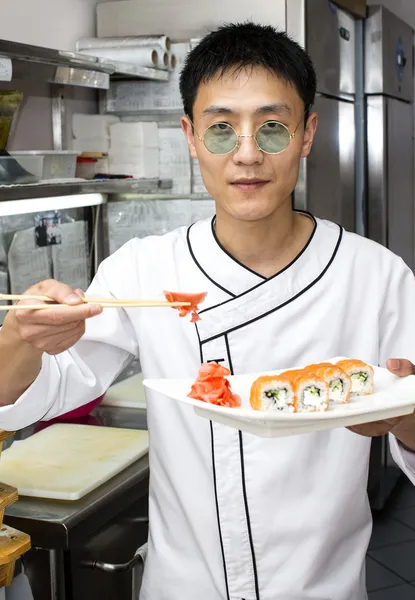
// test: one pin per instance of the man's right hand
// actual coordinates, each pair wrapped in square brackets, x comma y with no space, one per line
[52,330]
[27,334]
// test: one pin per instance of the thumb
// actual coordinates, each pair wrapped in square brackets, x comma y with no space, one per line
[400,367]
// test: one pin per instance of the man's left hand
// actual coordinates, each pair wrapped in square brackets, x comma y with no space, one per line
[402,427]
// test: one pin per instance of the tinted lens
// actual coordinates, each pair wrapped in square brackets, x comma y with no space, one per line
[273,137]
[220,138]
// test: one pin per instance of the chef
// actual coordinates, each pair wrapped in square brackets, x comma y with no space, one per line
[234,516]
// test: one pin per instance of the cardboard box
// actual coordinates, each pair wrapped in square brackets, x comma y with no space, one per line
[358,8]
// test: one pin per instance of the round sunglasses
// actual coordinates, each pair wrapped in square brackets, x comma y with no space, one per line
[272,137]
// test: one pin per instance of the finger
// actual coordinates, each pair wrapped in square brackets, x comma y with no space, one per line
[31,333]
[372,431]
[56,340]
[394,422]
[57,316]
[60,292]
[400,367]
[60,345]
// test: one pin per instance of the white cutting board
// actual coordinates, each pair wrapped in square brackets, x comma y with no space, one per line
[129,393]
[67,461]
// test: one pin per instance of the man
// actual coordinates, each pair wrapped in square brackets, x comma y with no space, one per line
[234,516]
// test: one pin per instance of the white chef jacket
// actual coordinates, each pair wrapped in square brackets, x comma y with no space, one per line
[234,516]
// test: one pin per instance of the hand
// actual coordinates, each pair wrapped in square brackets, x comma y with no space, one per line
[400,425]
[51,330]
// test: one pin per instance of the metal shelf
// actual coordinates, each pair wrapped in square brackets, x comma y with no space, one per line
[68,65]
[21,199]
[46,203]
[77,187]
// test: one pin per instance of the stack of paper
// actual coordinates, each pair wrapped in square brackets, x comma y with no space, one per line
[91,133]
[134,149]
[175,159]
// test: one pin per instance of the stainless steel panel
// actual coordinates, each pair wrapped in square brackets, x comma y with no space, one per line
[330,174]
[376,117]
[295,20]
[58,117]
[330,41]
[360,131]
[388,55]
[391,217]
[400,152]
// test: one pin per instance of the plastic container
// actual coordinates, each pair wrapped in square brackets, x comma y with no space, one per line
[56,164]
[21,168]
[80,412]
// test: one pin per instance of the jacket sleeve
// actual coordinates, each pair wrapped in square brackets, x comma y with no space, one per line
[397,340]
[84,372]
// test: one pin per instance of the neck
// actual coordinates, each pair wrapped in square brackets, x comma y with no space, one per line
[268,245]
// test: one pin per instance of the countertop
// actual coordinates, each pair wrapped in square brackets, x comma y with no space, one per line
[61,525]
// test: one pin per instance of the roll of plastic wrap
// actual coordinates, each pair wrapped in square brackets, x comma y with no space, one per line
[172,62]
[164,62]
[157,41]
[145,57]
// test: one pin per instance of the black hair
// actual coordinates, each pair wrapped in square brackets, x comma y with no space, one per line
[238,46]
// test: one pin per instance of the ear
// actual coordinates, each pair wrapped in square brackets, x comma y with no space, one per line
[190,136]
[309,133]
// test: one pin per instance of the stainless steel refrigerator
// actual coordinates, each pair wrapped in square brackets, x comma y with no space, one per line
[326,186]
[389,90]
[361,169]
[390,217]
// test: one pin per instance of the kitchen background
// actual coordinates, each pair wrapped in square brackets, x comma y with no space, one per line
[361,173]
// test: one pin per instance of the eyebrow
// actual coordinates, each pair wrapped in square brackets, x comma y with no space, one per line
[274,108]
[277,108]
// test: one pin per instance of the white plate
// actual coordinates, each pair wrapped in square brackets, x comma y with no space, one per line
[393,397]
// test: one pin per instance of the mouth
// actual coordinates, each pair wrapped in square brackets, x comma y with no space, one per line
[249,184]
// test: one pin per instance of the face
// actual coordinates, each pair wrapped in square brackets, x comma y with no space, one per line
[247,183]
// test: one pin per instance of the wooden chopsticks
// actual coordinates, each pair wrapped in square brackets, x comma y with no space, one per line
[104,302]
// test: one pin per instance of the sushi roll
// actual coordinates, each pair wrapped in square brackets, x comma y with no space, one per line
[361,375]
[292,391]
[274,392]
[312,392]
[339,382]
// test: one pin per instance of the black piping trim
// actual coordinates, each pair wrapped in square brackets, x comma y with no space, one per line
[212,441]
[215,486]
[248,519]
[247,516]
[229,354]
[192,254]
[276,274]
[200,344]
[326,268]
[235,260]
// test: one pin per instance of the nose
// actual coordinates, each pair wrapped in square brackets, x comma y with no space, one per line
[247,152]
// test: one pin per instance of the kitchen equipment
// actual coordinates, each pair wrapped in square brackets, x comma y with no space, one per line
[326,186]
[20,169]
[107,525]
[13,543]
[390,211]
[389,88]
[393,397]
[129,393]
[56,164]
[67,461]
